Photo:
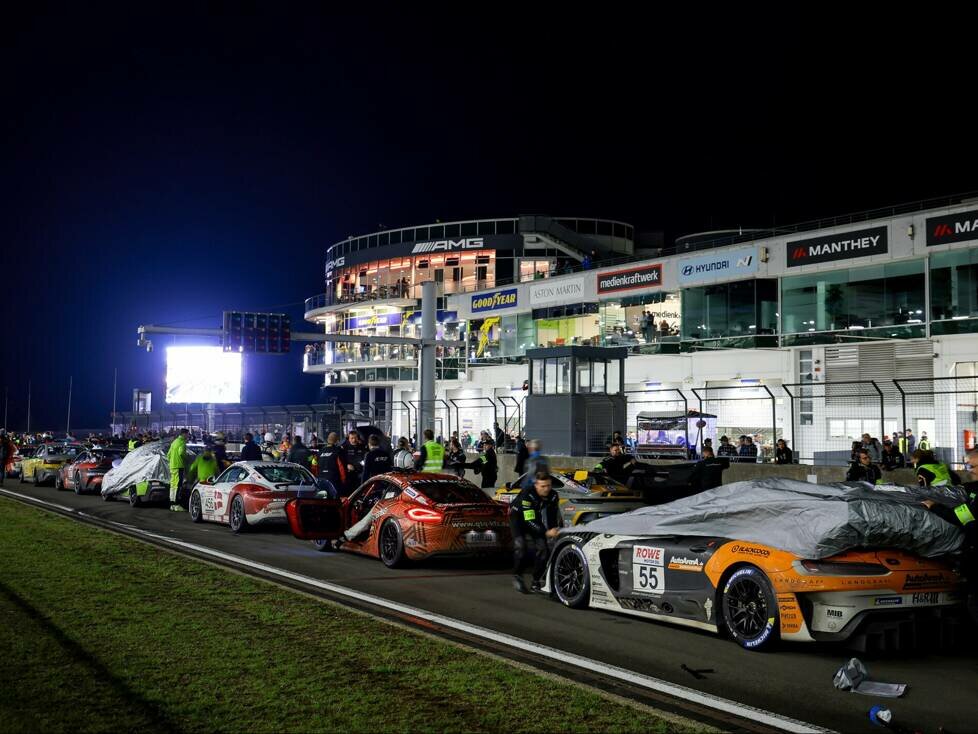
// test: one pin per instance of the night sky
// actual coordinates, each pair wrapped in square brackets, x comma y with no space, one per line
[163,166]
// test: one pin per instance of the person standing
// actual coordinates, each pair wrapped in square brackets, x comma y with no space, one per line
[891,458]
[872,446]
[403,458]
[205,466]
[908,444]
[782,454]
[220,452]
[6,454]
[250,451]
[333,463]
[727,449]
[177,461]
[298,454]
[924,444]
[534,519]
[536,463]
[617,464]
[456,458]
[355,453]
[522,454]
[499,437]
[748,450]
[378,459]
[487,465]
[432,455]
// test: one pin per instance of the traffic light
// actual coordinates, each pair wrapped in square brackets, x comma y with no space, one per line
[261,333]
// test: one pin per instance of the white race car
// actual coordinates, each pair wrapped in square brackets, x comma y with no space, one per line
[249,493]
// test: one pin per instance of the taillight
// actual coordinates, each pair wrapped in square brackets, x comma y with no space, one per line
[423,514]
[830,568]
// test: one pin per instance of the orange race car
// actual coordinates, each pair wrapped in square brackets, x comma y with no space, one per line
[406,516]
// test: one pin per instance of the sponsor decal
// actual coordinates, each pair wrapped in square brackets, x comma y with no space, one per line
[952,228]
[377,319]
[332,264]
[928,597]
[482,524]
[842,246]
[708,608]
[888,601]
[647,554]
[571,291]
[411,492]
[681,563]
[623,280]
[750,550]
[448,245]
[707,268]
[923,580]
[648,576]
[495,301]
[836,613]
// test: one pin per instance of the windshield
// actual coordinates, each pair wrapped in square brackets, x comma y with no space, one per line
[67,449]
[593,480]
[441,492]
[286,474]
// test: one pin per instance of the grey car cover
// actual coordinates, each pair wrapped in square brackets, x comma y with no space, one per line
[143,463]
[809,520]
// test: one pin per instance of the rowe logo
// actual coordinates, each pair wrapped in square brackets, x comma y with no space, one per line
[952,228]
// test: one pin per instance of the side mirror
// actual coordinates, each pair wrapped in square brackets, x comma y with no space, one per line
[209,480]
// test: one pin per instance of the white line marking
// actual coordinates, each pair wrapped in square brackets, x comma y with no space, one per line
[675,690]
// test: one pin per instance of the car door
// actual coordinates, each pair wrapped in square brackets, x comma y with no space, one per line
[314,518]
[68,471]
[218,494]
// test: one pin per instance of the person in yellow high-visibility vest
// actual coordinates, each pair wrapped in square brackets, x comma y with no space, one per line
[432,456]
[205,465]
[177,461]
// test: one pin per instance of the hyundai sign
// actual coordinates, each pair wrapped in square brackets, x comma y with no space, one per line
[495,301]
[709,268]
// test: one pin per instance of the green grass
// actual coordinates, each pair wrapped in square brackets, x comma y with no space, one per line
[99,632]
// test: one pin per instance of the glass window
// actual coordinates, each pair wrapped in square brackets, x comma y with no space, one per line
[538,384]
[613,382]
[598,370]
[954,289]
[551,377]
[487,228]
[505,226]
[395,236]
[586,226]
[604,228]
[436,232]
[619,230]
[583,376]
[864,298]
[469,229]
[563,376]
[452,230]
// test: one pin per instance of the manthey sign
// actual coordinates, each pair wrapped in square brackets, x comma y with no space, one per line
[715,266]
[951,228]
[646,276]
[496,301]
[556,290]
[841,246]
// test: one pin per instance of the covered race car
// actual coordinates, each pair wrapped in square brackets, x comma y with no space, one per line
[85,472]
[413,516]
[773,558]
[249,493]
[143,475]
[44,465]
[584,495]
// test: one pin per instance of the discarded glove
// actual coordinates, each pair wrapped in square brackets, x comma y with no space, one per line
[854,677]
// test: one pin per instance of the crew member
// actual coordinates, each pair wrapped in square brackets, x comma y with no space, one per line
[536,462]
[220,452]
[432,455]
[487,465]
[403,458]
[378,459]
[250,451]
[534,518]
[177,463]
[205,466]
[617,464]
[333,463]
[863,469]
[930,472]
[298,454]
[355,453]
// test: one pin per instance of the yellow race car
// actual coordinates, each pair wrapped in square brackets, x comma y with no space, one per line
[43,466]
[584,495]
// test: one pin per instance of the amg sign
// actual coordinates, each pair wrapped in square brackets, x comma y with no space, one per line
[466,243]
[843,246]
[952,228]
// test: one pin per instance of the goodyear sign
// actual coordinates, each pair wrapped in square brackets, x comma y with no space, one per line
[494,301]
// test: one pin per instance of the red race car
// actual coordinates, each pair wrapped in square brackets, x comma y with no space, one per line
[406,516]
[85,472]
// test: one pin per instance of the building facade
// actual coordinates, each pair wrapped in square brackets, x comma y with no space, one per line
[738,323]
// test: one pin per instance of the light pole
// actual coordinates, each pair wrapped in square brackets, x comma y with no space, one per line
[28,406]
[68,423]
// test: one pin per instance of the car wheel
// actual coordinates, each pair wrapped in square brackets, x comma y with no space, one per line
[134,498]
[323,545]
[58,484]
[196,514]
[391,544]
[750,609]
[23,479]
[78,484]
[237,519]
[571,577]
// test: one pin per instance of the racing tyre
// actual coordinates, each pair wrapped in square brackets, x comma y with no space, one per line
[78,484]
[750,609]
[58,484]
[571,578]
[23,479]
[134,498]
[237,519]
[391,545]
[196,512]
[323,546]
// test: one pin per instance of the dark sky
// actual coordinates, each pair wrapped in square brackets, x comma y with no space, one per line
[159,166]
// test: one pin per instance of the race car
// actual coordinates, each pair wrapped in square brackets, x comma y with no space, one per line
[415,515]
[85,472]
[43,466]
[584,495]
[760,592]
[15,464]
[249,493]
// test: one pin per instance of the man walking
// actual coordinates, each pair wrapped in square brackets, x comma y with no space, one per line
[250,451]
[432,454]
[534,518]
[177,461]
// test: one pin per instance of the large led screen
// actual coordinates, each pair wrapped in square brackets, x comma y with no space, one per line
[202,375]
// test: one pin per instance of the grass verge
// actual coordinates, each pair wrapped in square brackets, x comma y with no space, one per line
[103,633]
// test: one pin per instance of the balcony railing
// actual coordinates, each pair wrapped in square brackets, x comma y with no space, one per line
[373,354]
